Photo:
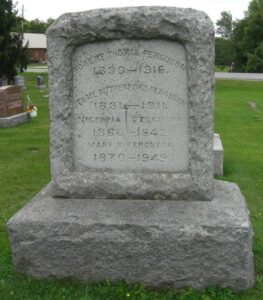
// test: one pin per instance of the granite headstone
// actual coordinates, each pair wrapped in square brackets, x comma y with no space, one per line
[132,109]
[131,98]
[20,81]
[40,82]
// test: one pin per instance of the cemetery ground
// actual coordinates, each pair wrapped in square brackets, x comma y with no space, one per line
[24,170]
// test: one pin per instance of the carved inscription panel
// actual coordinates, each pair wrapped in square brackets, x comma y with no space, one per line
[130,106]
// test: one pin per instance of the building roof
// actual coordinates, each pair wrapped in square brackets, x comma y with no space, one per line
[36,40]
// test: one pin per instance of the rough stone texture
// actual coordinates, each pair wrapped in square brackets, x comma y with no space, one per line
[194,31]
[134,116]
[218,155]
[14,120]
[159,243]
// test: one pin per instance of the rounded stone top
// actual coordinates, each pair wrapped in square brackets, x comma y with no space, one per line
[73,41]
[183,24]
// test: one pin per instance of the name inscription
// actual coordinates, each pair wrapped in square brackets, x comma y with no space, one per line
[130,106]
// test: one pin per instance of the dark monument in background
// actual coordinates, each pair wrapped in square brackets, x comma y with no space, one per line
[11,100]
[11,106]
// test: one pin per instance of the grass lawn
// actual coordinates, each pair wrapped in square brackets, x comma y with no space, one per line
[24,170]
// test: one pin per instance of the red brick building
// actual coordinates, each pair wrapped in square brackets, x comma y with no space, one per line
[37,46]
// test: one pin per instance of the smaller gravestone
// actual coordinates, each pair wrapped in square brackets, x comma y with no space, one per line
[20,81]
[218,155]
[40,82]
[11,106]
[11,101]
[3,82]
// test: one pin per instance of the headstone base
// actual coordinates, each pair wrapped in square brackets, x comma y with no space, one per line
[14,120]
[170,244]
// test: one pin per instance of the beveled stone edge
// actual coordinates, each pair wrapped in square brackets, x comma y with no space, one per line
[191,28]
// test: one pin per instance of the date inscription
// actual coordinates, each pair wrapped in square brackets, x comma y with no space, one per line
[139,131]
[140,68]
[136,157]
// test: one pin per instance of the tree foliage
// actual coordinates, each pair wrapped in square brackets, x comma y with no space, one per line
[225,25]
[37,26]
[13,55]
[224,49]
[246,38]
[255,61]
[224,52]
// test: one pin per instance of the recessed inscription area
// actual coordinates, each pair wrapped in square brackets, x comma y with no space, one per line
[130,106]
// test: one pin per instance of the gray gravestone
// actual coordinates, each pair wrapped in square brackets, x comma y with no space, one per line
[14,120]
[131,94]
[40,82]
[218,156]
[3,82]
[142,118]
[20,81]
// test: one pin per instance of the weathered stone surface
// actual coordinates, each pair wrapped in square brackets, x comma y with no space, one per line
[97,60]
[218,155]
[159,243]
[135,116]
[14,120]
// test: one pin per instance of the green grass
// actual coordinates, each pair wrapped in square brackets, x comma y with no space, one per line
[241,130]
[24,170]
